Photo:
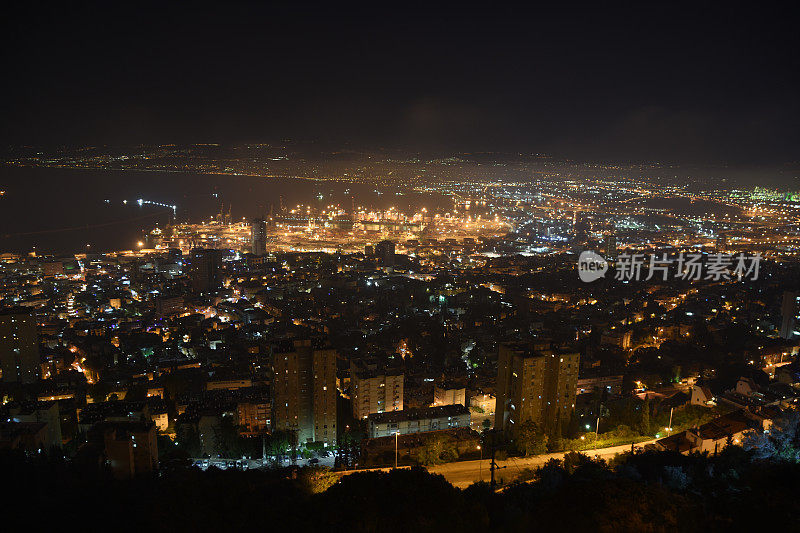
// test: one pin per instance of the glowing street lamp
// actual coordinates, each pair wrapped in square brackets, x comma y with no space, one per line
[480,463]
[396,437]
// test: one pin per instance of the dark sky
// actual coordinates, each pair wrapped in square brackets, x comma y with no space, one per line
[669,83]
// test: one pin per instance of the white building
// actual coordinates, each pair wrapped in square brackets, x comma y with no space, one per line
[418,420]
[375,391]
[449,396]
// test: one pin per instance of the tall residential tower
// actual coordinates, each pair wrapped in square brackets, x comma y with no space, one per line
[535,382]
[19,346]
[304,391]
[258,236]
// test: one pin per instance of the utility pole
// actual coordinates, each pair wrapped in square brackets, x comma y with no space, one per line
[669,428]
[480,463]
[596,432]
[492,464]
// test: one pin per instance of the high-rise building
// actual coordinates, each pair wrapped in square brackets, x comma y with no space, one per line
[19,346]
[790,308]
[535,382]
[206,269]
[375,389]
[610,247]
[258,236]
[722,242]
[304,391]
[580,227]
[169,305]
[384,250]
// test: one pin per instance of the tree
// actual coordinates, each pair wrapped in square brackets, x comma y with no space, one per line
[781,442]
[226,438]
[645,422]
[277,444]
[556,441]
[531,440]
[437,449]
[99,391]
[573,460]
[317,479]
[189,439]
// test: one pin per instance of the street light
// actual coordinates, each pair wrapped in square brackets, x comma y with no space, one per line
[596,434]
[396,436]
[480,463]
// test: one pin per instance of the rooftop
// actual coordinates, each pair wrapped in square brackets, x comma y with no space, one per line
[421,413]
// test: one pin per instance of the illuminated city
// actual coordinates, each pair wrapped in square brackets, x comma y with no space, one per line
[401,272]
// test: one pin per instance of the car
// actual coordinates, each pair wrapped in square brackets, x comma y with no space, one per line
[313,461]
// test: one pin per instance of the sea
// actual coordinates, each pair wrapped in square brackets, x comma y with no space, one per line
[66,211]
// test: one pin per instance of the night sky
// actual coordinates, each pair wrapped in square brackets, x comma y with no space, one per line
[671,84]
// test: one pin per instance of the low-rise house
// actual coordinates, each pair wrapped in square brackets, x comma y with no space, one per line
[418,420]
[702,396]
[713,436]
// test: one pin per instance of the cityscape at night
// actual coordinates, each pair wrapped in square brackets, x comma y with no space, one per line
[297,266]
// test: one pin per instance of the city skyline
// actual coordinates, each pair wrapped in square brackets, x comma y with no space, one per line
[400,268]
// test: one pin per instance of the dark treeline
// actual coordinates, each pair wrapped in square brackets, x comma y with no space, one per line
[654,491]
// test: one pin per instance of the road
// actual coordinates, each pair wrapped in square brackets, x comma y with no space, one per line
[464,473]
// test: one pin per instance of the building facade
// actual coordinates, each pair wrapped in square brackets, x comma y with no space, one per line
[258,236]
[535,383]
[417,420]
[374,390]
[304,391]
[447,395]
[206,269]
[385,251]
[790,307]
[19,346]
